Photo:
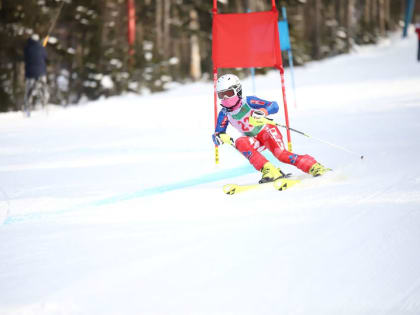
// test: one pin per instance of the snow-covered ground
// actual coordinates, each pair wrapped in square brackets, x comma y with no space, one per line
[116,206]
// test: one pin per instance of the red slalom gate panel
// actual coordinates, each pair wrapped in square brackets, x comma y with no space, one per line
[246,40]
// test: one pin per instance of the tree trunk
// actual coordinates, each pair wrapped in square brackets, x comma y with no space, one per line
[367,15]
[339,12]
[166,29]
[239,6]
[349,23]
[387,12]
[381,16]
[195,65]
[317,32]
[15,83]
[158,25]
[374,16]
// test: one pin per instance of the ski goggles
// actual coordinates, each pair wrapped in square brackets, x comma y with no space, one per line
[228,93]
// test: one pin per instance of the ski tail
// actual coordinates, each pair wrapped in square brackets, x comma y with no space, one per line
[285,183]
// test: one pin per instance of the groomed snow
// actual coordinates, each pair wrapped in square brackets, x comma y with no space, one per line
[116,206]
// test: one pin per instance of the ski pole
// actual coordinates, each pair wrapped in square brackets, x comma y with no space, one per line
[52,25]
[266,120]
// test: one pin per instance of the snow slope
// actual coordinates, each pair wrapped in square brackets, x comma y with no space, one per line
[116,206]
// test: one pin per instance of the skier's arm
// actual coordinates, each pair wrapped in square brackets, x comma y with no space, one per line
[219,137]
[260,104]
[222,122]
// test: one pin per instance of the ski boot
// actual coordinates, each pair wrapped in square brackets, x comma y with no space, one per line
[270,173]
[318,170]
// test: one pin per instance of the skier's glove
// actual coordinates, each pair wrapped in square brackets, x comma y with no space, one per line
[220,137]
[258,116]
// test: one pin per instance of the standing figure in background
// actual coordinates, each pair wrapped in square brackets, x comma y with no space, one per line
[36,88]
[418,36]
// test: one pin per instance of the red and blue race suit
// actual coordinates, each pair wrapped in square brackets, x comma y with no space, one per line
[258,138]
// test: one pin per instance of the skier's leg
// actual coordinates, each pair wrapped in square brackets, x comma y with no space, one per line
[248,147]
[29,96]
[38,92]
[45,95]
[272,139]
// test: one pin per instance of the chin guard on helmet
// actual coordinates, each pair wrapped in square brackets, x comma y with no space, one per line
[231,103]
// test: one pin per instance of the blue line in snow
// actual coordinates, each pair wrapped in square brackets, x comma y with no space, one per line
[235,172]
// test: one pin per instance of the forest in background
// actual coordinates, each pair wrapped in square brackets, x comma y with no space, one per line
[88,53]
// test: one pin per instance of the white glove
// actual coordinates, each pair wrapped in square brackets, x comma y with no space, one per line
[257,114]
[258,117]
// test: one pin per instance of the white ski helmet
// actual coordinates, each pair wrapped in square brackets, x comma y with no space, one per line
[228,85]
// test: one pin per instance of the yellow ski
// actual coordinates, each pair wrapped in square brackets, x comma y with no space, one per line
[279,184]
[285,183]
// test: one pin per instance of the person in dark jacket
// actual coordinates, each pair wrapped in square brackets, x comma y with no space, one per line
[36,89]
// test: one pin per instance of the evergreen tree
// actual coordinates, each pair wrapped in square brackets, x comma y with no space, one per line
[89,55]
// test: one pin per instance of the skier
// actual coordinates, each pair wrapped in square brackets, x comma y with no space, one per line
[35,73]
[256,138]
